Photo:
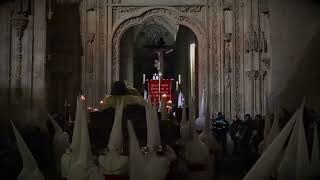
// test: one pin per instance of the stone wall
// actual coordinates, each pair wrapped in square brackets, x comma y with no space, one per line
[23,55]
[234,52]
[295,45]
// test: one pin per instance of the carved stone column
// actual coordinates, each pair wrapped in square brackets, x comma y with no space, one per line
[19,23]
[90,70]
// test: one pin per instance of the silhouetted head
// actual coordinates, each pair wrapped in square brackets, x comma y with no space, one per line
[119,88]
[247,117]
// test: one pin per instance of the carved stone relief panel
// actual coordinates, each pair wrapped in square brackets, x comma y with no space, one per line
[174,16]
[122,12]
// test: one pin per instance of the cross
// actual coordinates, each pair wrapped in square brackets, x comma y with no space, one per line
[160,48]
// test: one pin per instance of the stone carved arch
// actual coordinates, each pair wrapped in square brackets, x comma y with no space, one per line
[174,15]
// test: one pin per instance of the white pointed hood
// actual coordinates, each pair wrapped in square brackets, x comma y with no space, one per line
[268,162]
[296,156]
[185,129]
[315,157]
[183,117]
[267,122]
[30,170]
[303,160]
[116,135]
[85,154]
[207,138]
[153,130]
[136,160]
[83,168]
[76,136]
[145,167]
[56,126]
[275,130]
[200,122]
[60,141]
[180,100]
[203,110]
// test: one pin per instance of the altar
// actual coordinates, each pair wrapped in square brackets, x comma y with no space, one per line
[158,88]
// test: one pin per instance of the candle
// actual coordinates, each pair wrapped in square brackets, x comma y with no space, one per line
[101,102]
[179,78]
[144,78]
[177,86]
[82,97]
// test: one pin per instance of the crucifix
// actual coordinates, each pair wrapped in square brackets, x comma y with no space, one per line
[161,49]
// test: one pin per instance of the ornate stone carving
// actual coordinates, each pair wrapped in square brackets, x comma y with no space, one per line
[227,37]
[119,13]
[116,1]
[250,74]
[238,41]
[90,54]
[190,9]
[227,5]
[20,25]
[163,12]
[267,62]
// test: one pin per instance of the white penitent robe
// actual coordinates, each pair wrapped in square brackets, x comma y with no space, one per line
[149,166]
[113,162]
[315,157]
[60,141]
[30,170]
[200,121]
[275,130]
[83,167]
[268,163]
[295,163]
[70,157]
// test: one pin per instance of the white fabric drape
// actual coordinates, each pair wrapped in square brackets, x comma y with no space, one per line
[30,170]
[60,141]
[113,162]
[268,163]
[315,157]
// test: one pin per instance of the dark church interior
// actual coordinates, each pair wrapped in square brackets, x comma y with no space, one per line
[159,89]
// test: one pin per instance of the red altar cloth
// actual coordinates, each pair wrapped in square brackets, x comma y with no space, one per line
[153,90]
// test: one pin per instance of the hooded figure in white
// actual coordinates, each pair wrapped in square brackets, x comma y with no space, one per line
[68,157]
[82,166]
[185,127]
[295,162]
[207,138]
[60,141]
[30,170]
[267,165]
[150,166]
[196,151]
[275,130]
[200,122]
[315,157]
[180,100]
[113,162]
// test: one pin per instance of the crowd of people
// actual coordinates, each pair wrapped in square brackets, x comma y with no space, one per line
[246,135]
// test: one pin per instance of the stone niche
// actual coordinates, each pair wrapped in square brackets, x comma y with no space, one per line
[233,52]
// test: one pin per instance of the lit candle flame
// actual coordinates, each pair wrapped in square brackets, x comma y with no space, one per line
[82,97]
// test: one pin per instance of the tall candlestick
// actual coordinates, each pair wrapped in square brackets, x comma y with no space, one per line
[144,78]
[179,78]
[177,86]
